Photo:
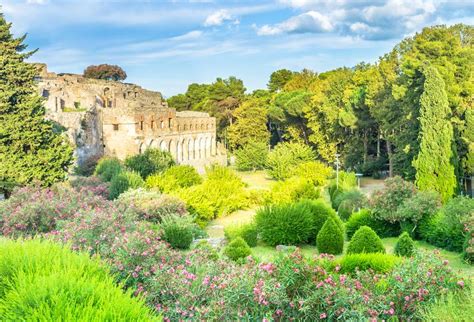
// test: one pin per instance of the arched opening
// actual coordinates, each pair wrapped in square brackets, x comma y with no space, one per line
[141,148]
[151,144]
[213,146]
[190,149]
[208,147]
[172,149]
[163,146]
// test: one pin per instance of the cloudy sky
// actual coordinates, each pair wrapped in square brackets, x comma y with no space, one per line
[165,45]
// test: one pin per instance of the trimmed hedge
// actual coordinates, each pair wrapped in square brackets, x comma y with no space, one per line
[247,232]
[330,238]
[365,240]
[365,218]
[380,263]
[237,249]
[124,181]
[405,246]
[43,281]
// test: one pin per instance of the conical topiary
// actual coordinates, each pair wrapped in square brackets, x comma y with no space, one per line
[237,249]
[405,246]
[365,240]
[330,239]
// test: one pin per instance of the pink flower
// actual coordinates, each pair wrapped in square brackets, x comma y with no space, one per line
[461,283]
[445,262]
[322,316]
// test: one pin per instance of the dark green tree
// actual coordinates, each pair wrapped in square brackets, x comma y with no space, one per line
[30,148]
[434,170]
[278,79]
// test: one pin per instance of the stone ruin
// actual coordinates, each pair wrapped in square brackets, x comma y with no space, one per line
[109,118]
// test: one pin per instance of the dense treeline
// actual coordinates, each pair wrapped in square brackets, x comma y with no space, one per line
[373,115]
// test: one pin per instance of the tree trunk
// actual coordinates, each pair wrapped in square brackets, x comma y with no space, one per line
[390,161]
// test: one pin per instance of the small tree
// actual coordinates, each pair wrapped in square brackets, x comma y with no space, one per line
[365,240]
[405,246]
[252,156]
[330,238]
[237,249]
[105,71]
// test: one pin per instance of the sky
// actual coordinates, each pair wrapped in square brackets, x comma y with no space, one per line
[166,45]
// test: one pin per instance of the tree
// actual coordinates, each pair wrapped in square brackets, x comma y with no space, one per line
[105,71]
[30,148]
[434,170]
[250,124]
[278,79]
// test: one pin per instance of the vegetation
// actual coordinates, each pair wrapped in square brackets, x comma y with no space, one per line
[380,263]
[330,238]
[107,168]
[285,157]
[405,246]
[247,232]
[174,178]
[252,156]
[150,162]
[105,71]
[177,230]
[237,249]
[365,240]
[123,181]
[31,148]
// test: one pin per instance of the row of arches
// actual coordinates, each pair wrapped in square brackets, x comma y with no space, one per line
[184,149]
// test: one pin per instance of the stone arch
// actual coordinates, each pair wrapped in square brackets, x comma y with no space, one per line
[202,148]
[213,146]
[151,143]
[141,147]
[163,146]
[208,146]
[197,154]
[172,149]
[190,149]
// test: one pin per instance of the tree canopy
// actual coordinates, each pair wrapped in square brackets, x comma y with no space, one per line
[105,71]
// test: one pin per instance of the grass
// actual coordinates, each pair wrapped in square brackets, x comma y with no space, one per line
[256,179]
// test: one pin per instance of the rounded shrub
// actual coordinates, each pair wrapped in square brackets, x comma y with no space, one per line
[321,211]
[177,176]
[405,246]
[365,240]
[247,232]
[286,224]
[330,239]
[379,263]
[237,249]
[123,181]
[364,217]
[107,168]
[293,189]
[43,281]
[141,164]
[178,231]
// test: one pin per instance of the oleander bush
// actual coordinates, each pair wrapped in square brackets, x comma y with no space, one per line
[286,224]
[43,281]
[252,156]
[174,178]
[377,262]
[291,190]
[237,249]
[283,159]
[151,205]
[247,232]
[107,168]
[178,231]
[364,217]
[205,246]
[150,162]
[330,239]
[123,181]
[365,240]
[91,184]
[405,246]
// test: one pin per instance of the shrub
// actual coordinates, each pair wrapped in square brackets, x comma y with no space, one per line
[385,202]
[93,184]
[178,176]
[87,167]
[468,247]
[330,239]
[379,263]
[420,206]
[321,212]
[178,231]
[107,168]
[285,157]
[42,281]
[315,171]
[152,205]
[124,181]
[151,161]
[207,248]
[405,246]
[291,190]
[364,217]
[247,232]
[347,182]
[286,224]
[365,240]
[348,202]
[237,249]
[252,156]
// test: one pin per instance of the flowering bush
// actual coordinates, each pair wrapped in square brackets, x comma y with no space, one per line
[92,184]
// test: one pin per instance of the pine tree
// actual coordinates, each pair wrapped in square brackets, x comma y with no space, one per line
[30,149]
[434,170]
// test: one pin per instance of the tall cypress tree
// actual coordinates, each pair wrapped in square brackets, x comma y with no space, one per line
[434,170]
[30,149]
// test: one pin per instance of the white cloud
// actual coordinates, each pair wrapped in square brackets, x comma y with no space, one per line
[219,17]
[311,21]
[195,34]
[37,1]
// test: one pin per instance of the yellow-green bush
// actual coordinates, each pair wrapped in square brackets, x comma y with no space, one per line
[380,263]
[237,249]
[174,178]
[292,189]
[315,171]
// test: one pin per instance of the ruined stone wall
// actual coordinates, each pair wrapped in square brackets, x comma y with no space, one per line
[120,119]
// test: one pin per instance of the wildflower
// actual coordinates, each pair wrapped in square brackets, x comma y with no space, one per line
[461,283]
[322,316]
[445,262]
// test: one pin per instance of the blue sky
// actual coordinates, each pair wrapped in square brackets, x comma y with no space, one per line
[166,45]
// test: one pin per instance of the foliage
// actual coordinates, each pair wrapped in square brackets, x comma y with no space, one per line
[150,162]
[247,232]
[250,124]
[434,171]
[405,246]
[278,79]
[31,149]
[252,156]
[221,192]
[92,184]
[107,168]
[364,217]
[468,247]
[365,240]
[150,205]
[315,171]
[177,231]
[385,202]
[87,167]
[350,201]
[174,178]
[105,71]
[123,181]
[45,281]
[420,206]
[450,307]
[286,224]
[330,239]
[321,212]
[285,156]
[377,262]
[291,190]
[237,249]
